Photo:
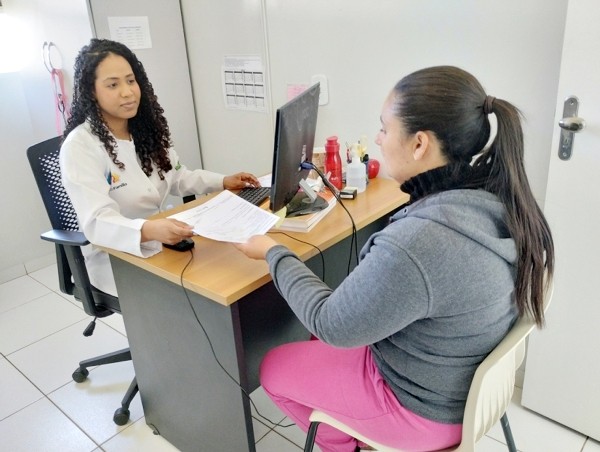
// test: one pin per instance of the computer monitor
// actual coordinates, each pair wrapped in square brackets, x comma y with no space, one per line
[295,129]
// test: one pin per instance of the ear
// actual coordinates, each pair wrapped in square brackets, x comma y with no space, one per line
[421,144]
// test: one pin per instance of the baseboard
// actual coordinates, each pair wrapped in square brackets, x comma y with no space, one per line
[40,262]
[16,271]
[10,273]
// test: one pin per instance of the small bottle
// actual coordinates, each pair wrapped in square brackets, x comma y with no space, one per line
[333,162]
[356,175]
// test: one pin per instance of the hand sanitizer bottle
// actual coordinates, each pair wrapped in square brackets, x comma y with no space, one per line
[356,173]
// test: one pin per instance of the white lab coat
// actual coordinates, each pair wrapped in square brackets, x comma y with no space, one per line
[112,204]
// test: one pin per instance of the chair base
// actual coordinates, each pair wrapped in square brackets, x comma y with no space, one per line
[108,358]
[121,416]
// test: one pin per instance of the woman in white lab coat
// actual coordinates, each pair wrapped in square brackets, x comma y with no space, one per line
[117,162]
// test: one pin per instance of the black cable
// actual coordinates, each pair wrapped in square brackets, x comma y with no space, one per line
[276,424]
[306,243]
[353,247]
[336,193]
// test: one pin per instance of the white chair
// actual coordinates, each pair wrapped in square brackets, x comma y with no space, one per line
[489,395]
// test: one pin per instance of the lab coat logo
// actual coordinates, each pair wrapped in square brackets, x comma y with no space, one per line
[114,179]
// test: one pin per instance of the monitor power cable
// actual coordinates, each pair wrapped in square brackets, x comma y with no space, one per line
[336,193]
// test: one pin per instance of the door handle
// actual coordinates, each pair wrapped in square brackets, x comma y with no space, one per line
[573,124]
[569,125]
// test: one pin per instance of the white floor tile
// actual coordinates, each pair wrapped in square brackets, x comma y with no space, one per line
[12,272]
[42,427]
[260,429]
[535,433]
[35,320]
[487,444]
[91,404]
[115,321]
[38,263]
[138,437]
[292,432]
[591,446]
[20,291]
[274,442]
[49,362]
[48,276]
[41,337]
[16,392]
[269,413]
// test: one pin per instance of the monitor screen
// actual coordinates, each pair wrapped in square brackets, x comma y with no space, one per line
[295,129]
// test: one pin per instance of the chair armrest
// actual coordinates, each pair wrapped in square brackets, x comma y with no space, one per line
[69,238]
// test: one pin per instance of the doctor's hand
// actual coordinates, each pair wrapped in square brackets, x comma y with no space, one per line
[240,180]
[257,246]
[166,230]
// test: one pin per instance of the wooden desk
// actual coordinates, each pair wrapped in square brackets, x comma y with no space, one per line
[186,395]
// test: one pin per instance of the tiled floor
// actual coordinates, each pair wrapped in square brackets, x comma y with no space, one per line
[42,409]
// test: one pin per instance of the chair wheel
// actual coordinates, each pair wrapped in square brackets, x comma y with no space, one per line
[121,416]
[80,375]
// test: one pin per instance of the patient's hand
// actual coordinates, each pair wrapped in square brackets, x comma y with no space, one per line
[257,246]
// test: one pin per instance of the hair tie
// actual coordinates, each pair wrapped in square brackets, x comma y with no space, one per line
[488,105]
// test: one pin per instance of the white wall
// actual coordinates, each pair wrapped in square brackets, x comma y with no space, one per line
[27,117]
[363,47]
[513,47]
[236,140]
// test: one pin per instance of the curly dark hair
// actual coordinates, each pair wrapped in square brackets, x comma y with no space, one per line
[148,127]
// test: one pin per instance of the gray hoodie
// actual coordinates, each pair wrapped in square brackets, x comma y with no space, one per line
[432,296]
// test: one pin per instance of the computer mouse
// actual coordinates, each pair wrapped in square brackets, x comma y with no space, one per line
[184,245]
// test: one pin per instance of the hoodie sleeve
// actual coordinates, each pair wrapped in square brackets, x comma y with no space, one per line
[367,306]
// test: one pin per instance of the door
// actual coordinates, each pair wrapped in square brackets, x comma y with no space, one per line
[562,374]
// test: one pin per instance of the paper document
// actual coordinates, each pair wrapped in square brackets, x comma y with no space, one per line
[265,181]
[228,218]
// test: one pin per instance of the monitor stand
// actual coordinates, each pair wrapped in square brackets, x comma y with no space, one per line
[302,204]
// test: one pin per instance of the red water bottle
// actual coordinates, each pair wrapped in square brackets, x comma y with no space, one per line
[333,162]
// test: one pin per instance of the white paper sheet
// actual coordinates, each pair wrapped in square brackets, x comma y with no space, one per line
[133,31]
[228,218]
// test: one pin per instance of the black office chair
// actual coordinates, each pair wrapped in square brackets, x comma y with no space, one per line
[72,273]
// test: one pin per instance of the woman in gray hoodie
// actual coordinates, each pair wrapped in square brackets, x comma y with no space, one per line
[435,291]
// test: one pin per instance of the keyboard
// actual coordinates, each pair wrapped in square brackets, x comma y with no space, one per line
[255,195]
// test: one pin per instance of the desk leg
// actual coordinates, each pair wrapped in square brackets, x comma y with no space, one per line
[186,395]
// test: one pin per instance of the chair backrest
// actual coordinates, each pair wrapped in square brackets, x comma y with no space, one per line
[494,381]
[43,158]
[73,278]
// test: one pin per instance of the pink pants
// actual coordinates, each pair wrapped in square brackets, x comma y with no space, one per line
[346,384]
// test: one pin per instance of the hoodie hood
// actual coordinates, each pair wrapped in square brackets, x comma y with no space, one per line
[475,214]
